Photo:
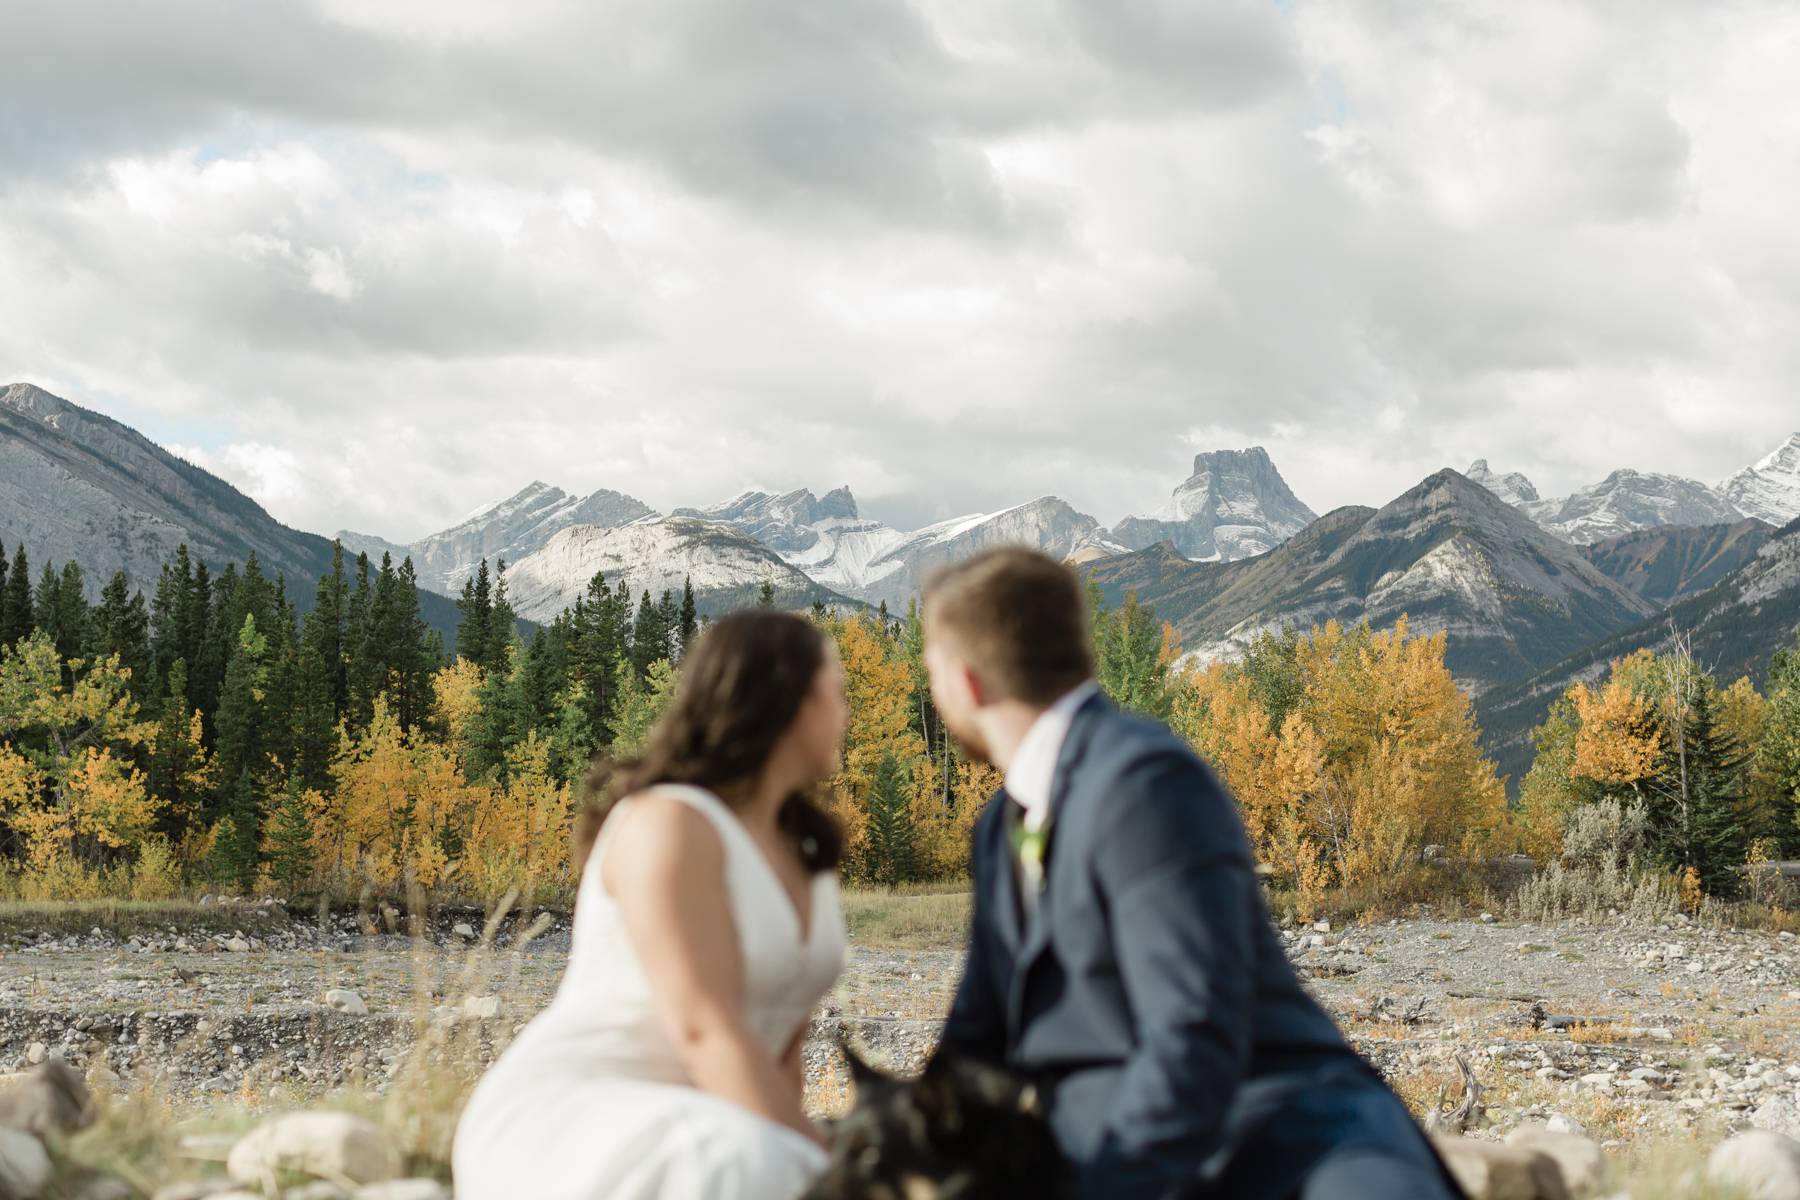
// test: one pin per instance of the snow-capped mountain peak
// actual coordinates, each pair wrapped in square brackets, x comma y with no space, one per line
[1234,505]
[1511,487]
[1770,489]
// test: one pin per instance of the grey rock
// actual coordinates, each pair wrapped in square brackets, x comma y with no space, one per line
[105,1187]
[51,1099]
[24,1165]
[1583,1164]
[1778,1114]
[1759,1165]
[333,1145]
[1496,1171]
[347,1002]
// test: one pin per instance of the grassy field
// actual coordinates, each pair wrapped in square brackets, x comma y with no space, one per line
[921,917]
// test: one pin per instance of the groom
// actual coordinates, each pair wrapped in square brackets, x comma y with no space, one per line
[1120,955]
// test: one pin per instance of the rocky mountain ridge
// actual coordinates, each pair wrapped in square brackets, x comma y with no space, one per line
[1235,505]
[509,529]
[79,486]
[1448,553]
[1627,500]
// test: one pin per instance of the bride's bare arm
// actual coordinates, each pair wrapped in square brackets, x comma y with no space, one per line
[665,866]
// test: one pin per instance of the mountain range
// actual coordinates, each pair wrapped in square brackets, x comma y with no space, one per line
[1530,591]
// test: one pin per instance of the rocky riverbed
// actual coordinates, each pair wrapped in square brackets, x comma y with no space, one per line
[1629,1025]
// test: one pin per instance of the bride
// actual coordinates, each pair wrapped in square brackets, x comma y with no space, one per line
[707,927]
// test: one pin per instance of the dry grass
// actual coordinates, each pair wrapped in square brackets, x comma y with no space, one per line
[125,918]
[921,917]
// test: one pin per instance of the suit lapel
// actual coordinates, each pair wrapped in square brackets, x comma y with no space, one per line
[1006,899]
[1036,936]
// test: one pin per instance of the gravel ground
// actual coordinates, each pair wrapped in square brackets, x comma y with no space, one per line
[1676,1026]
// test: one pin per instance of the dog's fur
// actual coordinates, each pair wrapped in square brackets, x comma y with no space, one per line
[52,1098]
[960,1131]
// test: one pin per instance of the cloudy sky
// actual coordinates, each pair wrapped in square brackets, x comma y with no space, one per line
[380,263]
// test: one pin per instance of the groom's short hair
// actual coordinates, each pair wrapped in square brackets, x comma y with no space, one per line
[1016,616]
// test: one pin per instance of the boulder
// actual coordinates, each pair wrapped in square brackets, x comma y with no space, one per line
[335,1146]
[481,1007]
[1778,1114]
[1759,1165]
[24,1164]
[1561,1124]
[463,929]
[1583,1164]
[36,1053]
[346,1002]
[51,1098]
[1495,1171]
[237,945]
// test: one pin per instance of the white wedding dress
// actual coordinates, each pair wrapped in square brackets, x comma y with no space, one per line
[591,1103]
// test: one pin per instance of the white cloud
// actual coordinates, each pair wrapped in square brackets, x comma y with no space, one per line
[954,255]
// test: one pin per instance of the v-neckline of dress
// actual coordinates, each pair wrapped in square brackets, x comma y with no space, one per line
[803,921]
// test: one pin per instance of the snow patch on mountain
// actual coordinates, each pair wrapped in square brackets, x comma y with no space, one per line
[1235,505]
[1770,488]
[1629,500]
[725,565]
[507,529]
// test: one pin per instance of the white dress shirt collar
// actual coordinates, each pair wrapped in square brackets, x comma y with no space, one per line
[1032,768]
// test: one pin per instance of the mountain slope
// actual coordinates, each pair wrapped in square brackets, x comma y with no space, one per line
[1735,626]
[511,529]
[1235,505]
[1770,488]
[1449,553]
[727,567]
[76,485]
[1668,563]
[826,539]
[1628,500]
[900,570]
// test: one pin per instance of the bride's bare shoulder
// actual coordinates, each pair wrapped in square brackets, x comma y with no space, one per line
[657,831]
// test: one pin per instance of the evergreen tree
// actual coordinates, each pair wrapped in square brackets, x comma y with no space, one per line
[62,610]
[121,626]
[181,776]
[324,632]
[595,631]
[363,675]
[16,619]
[313,724]
[175,626]
[291,857]
[1778,753]
[890,836]
[240,721]
[649,636]
[213,639]
[765,596]
[1694,805]
[234,857]
[689,627]
[503,623]
[818,612]
[1130,665]
[475,631]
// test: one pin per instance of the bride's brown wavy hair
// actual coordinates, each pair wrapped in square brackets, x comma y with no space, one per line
[741,686]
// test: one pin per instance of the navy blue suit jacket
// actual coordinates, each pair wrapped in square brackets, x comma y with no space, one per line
[1147,989]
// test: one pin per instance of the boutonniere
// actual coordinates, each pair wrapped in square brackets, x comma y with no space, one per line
[1029,845]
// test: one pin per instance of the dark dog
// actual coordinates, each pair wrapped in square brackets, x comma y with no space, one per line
[960,1131]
